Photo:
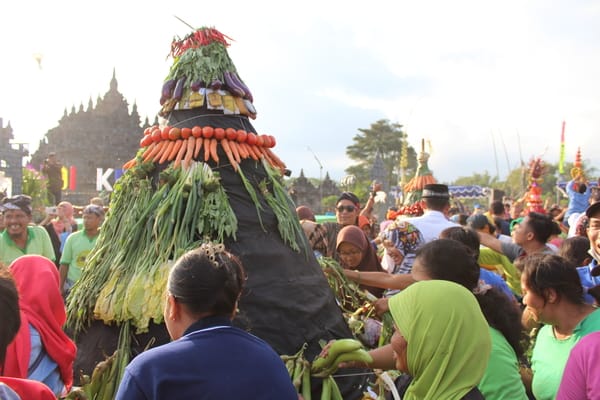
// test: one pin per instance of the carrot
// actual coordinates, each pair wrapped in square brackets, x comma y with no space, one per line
[180,154]
[189,153]
[227,148]
[248,149]
[242,150]
[213,150]
[274,157]
[162,146]
[234,149]
[175,149]
[206,149]
[165,154]
[254,152]
[147,153]
[129,164]
[197,147]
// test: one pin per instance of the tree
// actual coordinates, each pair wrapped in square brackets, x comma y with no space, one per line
[484,180]
[385,139]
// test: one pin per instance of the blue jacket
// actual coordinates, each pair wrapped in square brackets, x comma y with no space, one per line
[587,280]
[212,360]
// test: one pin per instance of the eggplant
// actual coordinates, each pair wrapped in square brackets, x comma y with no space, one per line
[196,85]
[216,84]
[178,92]
[235,89]
[247,92]
[167,90]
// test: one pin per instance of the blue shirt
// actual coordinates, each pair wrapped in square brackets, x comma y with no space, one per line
[578,202]
[41,367]
[212,360]
[587,280]
[495,280]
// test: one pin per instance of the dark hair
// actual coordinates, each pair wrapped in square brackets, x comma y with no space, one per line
[436,203]
[207,279]
[541,225]
[497,207]
[582,188]
[9,304]
[499,311]
[466,236]
[575,249]
[503,315]
[449,260]
[544,271]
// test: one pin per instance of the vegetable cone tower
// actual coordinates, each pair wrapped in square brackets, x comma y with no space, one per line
[414,188]
[534,194]
[205,174]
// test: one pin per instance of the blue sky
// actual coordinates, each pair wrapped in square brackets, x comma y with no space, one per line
[486,83]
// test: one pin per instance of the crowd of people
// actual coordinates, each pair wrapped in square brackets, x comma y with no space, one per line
[535,276]
[497,304]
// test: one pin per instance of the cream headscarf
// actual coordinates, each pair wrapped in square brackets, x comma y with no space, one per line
[448,339]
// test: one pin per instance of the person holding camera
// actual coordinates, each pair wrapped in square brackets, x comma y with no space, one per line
[52,171]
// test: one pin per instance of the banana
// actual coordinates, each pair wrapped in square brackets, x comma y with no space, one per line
[359,355]
[338,347]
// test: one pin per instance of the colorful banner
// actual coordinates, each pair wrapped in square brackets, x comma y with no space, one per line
[561,160]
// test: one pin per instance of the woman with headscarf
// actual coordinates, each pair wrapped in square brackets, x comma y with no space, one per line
[441,341]
[357,253]
[41,350]
[10,387]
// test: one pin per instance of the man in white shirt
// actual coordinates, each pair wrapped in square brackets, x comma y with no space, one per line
[434,220]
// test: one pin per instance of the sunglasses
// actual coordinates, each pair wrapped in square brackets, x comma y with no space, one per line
[347,208]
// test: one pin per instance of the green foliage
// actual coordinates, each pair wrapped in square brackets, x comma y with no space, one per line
[484,180]
[385,138]
[328,202]
[35,186]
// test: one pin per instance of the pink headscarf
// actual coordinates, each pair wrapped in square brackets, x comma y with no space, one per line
[355,236]
[42,306]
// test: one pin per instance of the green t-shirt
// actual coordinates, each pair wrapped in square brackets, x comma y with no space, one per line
[38,242]
[550,355]
[502,379]
[77,247]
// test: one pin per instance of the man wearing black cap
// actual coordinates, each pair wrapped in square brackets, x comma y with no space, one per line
[435,218]
[322,237]
[19,237]
[590,274]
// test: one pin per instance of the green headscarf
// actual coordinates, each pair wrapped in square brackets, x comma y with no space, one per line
[448,339]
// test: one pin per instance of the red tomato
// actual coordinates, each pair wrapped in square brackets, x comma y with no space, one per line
[231,133]
[241,135]
[156,135]
[273,141]
[260,141]
[186,133]
[219,133]
[251,138]
[197,131]
[146,140]
[165,132]
[208,132]
[174,133]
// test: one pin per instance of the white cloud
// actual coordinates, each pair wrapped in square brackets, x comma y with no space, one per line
[456,73]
